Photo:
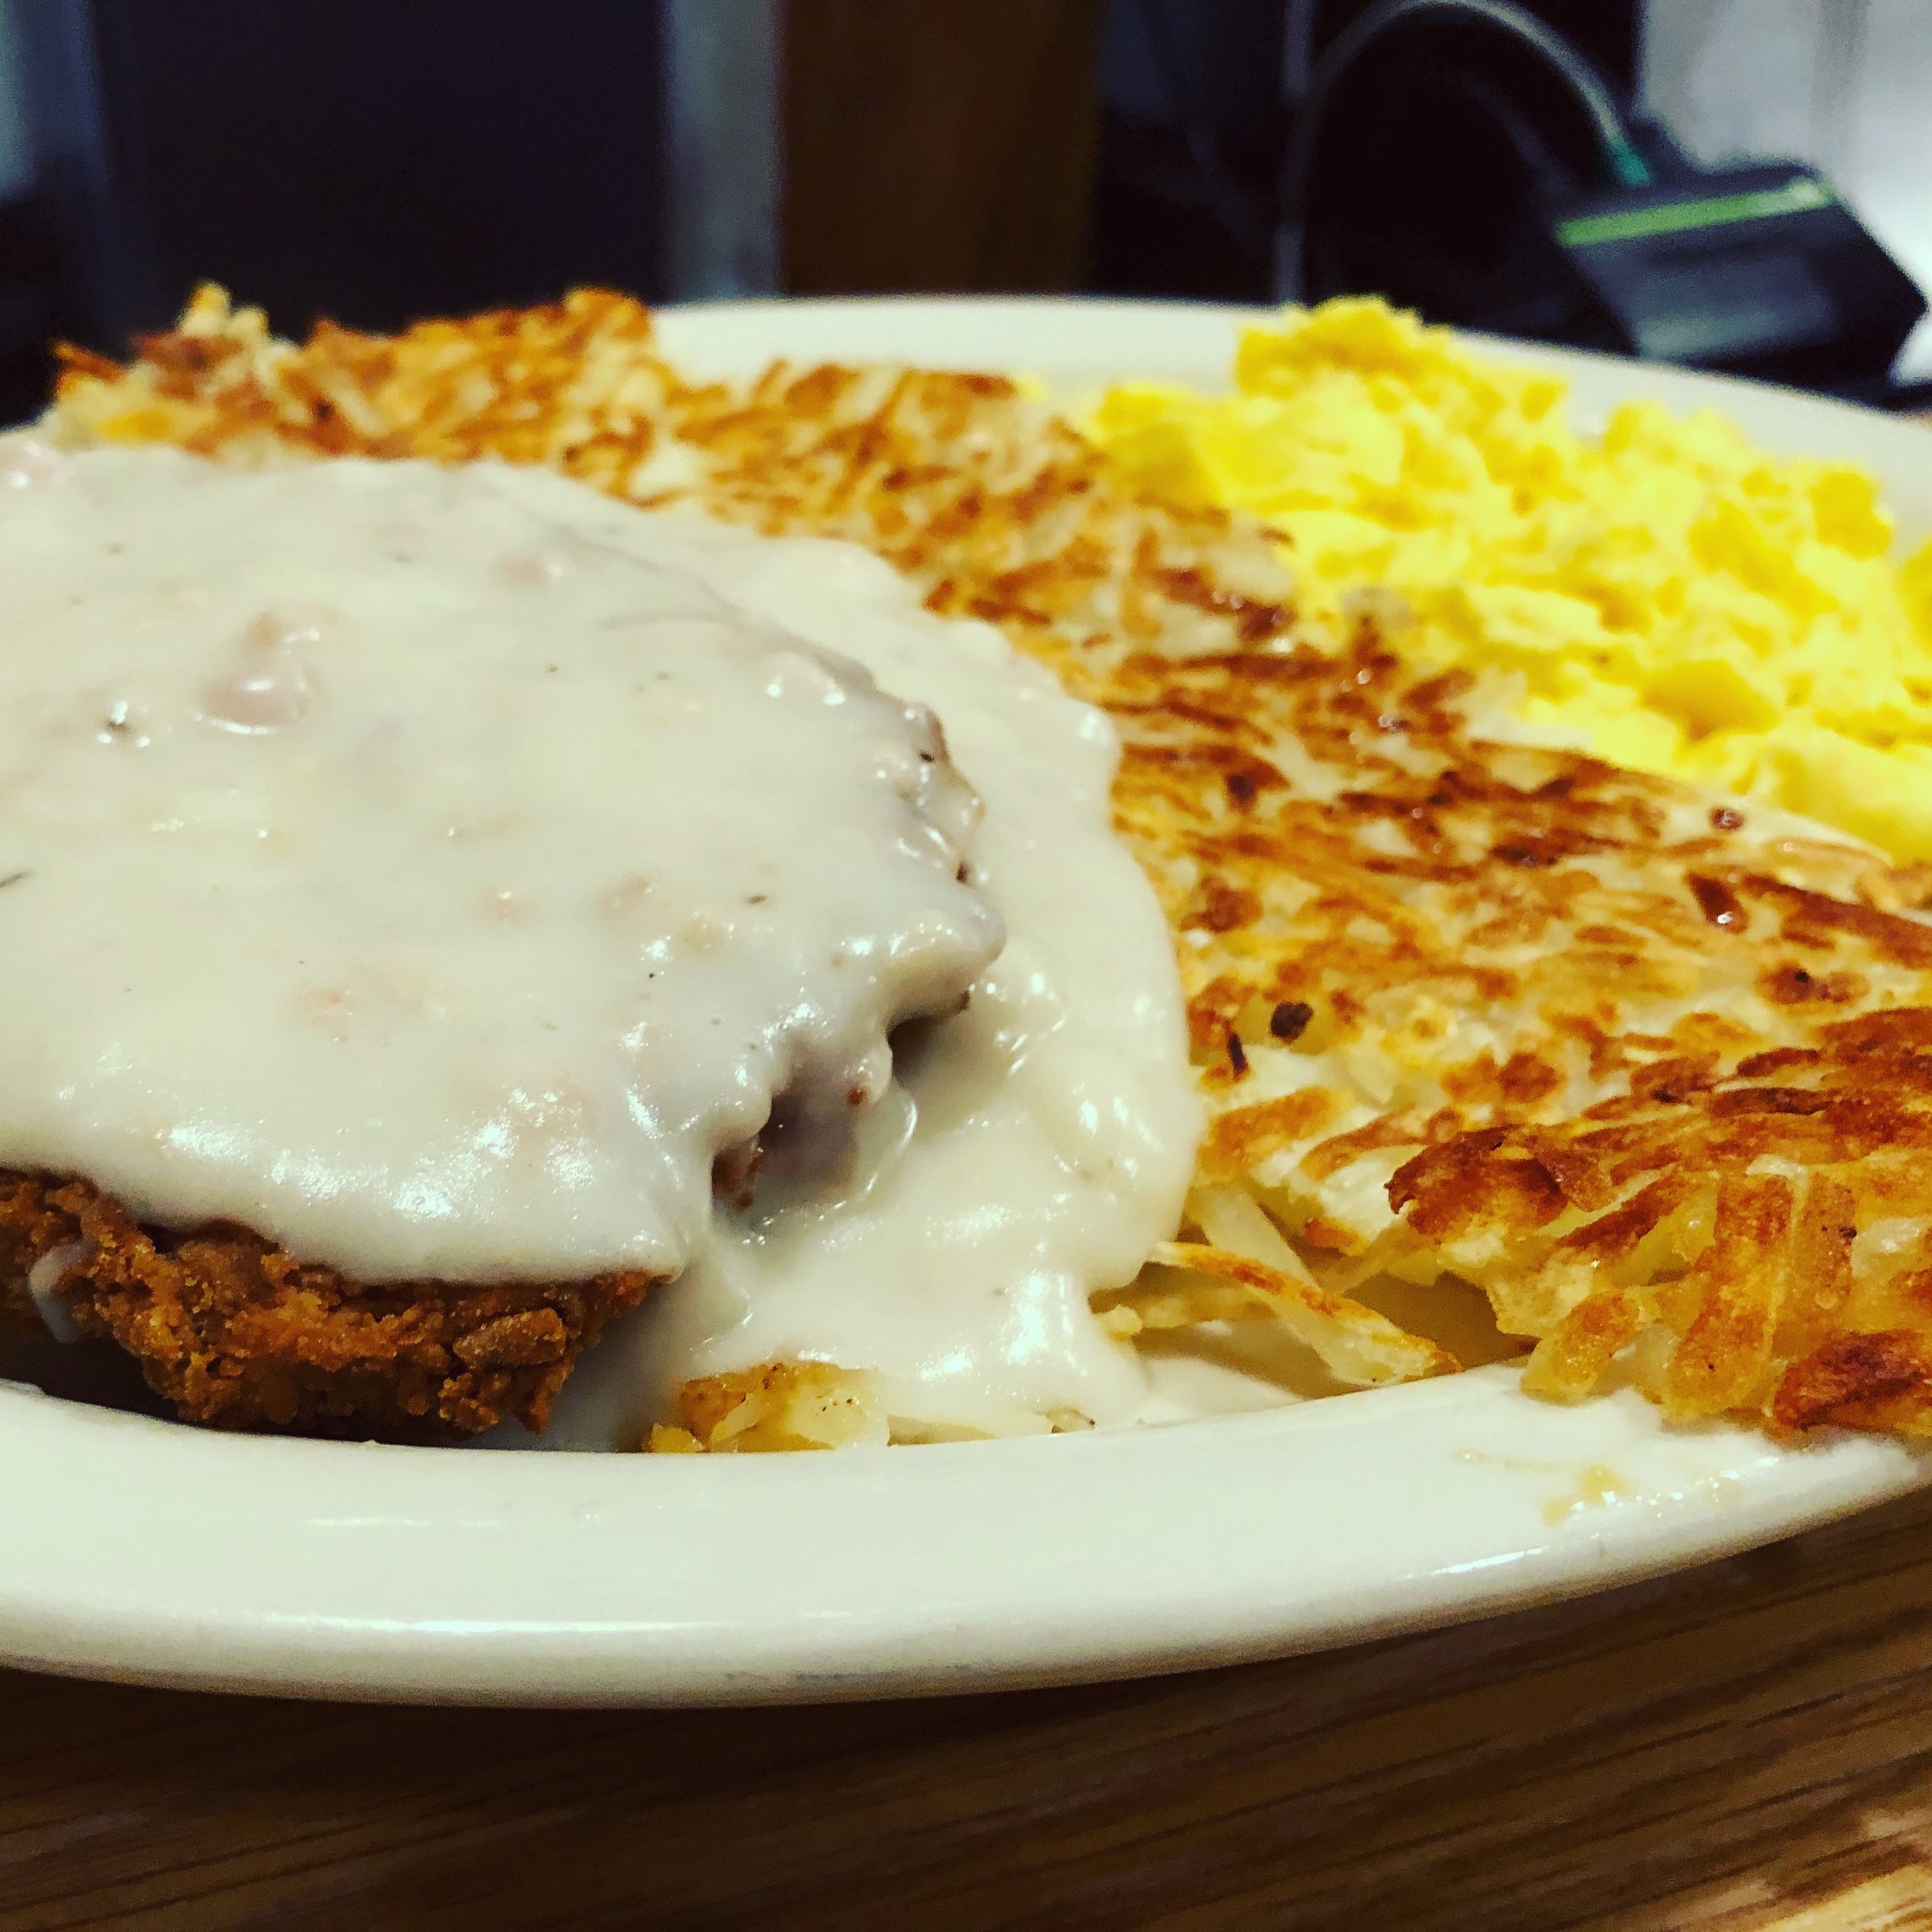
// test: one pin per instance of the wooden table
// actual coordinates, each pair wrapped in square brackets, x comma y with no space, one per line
[1745,1746]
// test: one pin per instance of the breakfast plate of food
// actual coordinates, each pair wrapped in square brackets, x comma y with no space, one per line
[1239,980]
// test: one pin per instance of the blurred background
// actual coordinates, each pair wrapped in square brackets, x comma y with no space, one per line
[1741,183]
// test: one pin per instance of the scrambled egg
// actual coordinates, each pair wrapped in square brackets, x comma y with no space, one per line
[1673,598]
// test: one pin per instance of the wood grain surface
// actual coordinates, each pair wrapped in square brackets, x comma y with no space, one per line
[938,144]
[1742,1747]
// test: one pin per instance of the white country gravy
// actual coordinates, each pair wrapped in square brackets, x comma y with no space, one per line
[1046,1136]
[398,870]
[438,870]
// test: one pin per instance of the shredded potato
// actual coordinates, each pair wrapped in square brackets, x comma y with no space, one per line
[1652,1071]
[1667,593]
[784,1406]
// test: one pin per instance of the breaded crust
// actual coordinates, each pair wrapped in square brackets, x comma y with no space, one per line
[235,1332]
[1649,1069]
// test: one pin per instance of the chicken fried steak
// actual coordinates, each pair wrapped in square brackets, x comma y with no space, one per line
[1649,1070]
[416,890]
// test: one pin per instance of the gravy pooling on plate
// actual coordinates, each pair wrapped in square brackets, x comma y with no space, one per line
[439,871]
[1033,1150]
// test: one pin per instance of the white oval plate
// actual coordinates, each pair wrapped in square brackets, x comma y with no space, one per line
[138,1549]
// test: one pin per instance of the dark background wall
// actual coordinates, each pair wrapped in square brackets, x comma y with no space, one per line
[377,160]
[383,159]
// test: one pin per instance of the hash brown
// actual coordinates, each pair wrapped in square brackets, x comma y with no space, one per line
[1650,1070]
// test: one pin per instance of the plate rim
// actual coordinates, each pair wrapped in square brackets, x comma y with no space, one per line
[358,1571]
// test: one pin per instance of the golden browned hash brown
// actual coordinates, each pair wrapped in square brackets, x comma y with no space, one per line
[1654,1074]
[233,1331]
[782,1405]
